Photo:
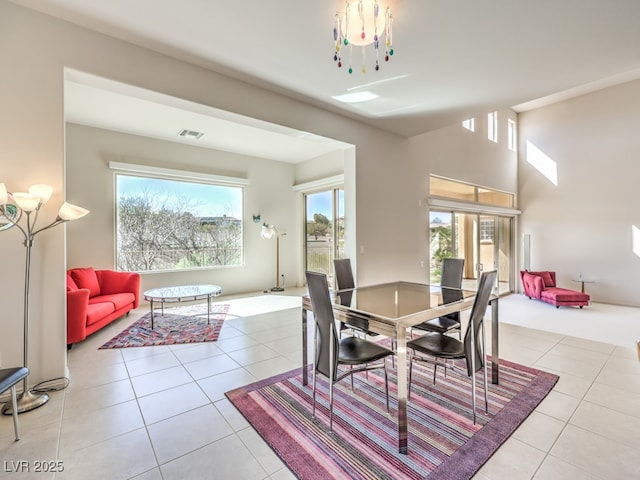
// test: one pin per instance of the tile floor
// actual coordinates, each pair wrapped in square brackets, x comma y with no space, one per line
[160,412]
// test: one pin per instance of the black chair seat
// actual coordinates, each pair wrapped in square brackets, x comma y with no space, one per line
[356,351]
[10,376]
[439,325]
[439,345]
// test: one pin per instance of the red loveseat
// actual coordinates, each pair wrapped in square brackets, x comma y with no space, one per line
[542,286]
[97,297]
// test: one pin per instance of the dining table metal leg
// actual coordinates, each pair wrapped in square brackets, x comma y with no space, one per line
[495,354]
[401,352]
[304,347]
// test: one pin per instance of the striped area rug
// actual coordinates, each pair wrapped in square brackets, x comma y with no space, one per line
[443,441]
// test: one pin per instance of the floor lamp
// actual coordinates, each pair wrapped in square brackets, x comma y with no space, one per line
[268,232]
[12,206]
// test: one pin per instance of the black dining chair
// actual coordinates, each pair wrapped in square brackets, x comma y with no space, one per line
[9,378]
[452,269]
[437,348]
[344,286]
[331,351]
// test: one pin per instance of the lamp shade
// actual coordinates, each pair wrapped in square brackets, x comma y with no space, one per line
[268,231]
[69,212]
[42,191]
[363,22]
[26,201]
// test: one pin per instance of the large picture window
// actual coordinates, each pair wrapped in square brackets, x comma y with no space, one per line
[170,225]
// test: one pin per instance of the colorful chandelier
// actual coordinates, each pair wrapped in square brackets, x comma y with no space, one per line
[362,25]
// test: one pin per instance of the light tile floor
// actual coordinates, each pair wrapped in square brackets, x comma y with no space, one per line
[160,412]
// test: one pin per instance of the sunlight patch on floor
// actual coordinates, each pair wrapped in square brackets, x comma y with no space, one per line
[249,306]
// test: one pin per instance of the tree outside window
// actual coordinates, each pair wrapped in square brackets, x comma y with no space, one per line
[171,225]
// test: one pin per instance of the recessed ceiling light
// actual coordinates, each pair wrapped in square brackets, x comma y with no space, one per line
[356,97]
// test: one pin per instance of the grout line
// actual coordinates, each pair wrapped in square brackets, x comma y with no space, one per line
[568,422]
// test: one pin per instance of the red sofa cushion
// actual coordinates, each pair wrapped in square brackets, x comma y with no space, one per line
[71,285]
[546,278]
[119,300]
[533,285]
[112,281]
[86,278]
[97,311]
[565,295]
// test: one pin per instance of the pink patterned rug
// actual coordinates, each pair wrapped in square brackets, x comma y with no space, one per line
[443,441]
[187,324]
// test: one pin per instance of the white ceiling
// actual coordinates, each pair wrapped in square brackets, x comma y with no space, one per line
[98,102]
[453,58]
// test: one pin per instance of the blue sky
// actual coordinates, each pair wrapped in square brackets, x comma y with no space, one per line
[203,200]
[321,203]
[444,217]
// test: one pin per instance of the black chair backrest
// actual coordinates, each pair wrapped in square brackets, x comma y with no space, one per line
[344,274]
[344,280]
[450,295]
[325,324]
[452,269]
[487,282]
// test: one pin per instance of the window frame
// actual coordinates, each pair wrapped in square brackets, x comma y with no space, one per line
[512,135]
[230,221]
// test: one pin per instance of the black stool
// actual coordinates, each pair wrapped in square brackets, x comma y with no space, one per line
[9,377]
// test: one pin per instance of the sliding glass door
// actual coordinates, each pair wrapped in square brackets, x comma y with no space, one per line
[324,230]
[484,241]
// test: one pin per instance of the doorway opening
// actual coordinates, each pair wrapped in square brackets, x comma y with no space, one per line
[324,230]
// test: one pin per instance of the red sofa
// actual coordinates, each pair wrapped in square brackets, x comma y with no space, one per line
[542,286]
[97,297]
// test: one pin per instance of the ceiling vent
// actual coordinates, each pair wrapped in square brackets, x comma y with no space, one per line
[190,134]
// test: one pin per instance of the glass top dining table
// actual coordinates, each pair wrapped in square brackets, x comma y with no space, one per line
[391,309]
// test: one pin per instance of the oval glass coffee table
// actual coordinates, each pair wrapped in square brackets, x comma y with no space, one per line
[184,293]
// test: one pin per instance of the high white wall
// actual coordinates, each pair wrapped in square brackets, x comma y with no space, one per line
[584,224]
[390,174]
[457,153]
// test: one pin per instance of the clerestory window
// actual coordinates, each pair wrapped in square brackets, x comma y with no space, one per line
[492,126]
[511,135]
